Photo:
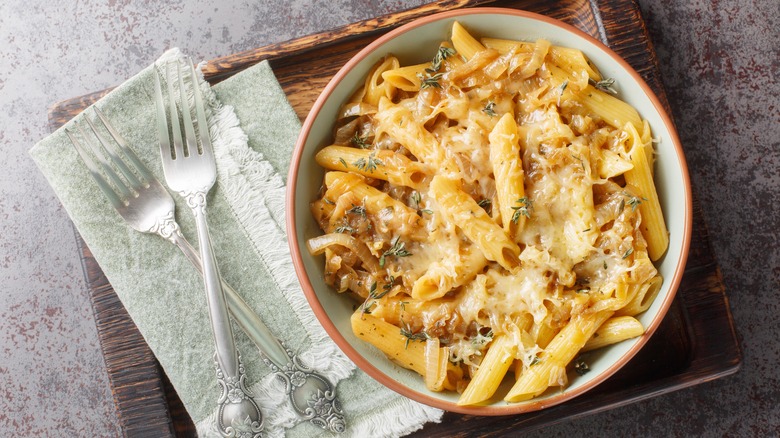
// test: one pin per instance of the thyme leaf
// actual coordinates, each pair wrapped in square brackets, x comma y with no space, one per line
[373,295]
[490,109]
[580,367]
[345,229]
[634,202]
[628,253]
[410,336]
[369,165]
[522,209]
[397,249]
[358,210]
[361,142]
[607,85]
[428,81]
[441,54]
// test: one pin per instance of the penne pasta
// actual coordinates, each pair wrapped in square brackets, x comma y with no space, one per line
[483,232]
[465,44]
[508,172]
[386,165]
[492,208]
[500,355]
[614,330]
[640,176]
[550,370]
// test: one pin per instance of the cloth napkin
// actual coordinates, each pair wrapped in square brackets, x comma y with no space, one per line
[253,129]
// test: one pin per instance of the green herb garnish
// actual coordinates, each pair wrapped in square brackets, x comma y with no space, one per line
[361,142]
[374,295]
[607,85]
[407,332]
[428,81]
[369,165]
[441,54]
[634,202]
[397,249]
[358,210]
[580,367]
[628,253]
[490,109]
[522,209]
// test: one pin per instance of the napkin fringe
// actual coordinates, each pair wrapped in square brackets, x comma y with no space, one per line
[401,416]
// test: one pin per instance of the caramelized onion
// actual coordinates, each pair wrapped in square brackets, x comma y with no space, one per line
[317,246]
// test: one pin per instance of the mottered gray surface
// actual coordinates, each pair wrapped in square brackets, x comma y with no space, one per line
[719,64]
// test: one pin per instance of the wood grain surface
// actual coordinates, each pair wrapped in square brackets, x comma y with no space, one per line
[695,343]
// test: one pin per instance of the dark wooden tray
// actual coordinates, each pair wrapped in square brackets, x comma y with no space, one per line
[695,343]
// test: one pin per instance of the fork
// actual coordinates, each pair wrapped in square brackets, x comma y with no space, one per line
[147,207]
[190,169]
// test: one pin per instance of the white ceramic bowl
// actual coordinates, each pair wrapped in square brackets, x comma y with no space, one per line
[414,43]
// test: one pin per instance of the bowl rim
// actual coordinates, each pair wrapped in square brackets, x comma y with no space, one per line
[362,362]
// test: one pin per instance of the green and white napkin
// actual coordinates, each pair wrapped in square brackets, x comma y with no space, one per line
[253,129]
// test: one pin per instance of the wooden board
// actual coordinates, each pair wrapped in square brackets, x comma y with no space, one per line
[695,343]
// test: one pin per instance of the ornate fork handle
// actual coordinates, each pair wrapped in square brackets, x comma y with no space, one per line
[239,415]
[312,396]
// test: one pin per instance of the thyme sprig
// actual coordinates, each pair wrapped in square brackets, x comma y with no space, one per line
[521,210]
[345,229]
[429,81]
[441,54]
[411,336]
[606,85]
[358,141]
[369,165]
[374,295]
[359,210]
[634,202]
[397,249]
[416,199]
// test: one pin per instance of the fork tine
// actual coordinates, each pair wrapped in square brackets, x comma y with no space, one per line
[189,129]
[93,170]
[113,154]
[162,119]
[203,128]
[128,152]
[178,147]
[95,149]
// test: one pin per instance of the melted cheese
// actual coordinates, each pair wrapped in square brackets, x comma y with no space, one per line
[579,244]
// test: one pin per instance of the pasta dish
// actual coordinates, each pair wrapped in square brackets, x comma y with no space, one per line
[493,213]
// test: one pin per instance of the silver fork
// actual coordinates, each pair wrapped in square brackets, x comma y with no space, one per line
[147,207]
[190,169]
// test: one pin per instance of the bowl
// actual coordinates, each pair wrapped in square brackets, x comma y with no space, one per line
[414,43]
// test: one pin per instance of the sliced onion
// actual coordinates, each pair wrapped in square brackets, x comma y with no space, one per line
[317,246]
[432,353]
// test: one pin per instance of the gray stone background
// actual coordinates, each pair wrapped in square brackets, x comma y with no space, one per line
[719,62]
